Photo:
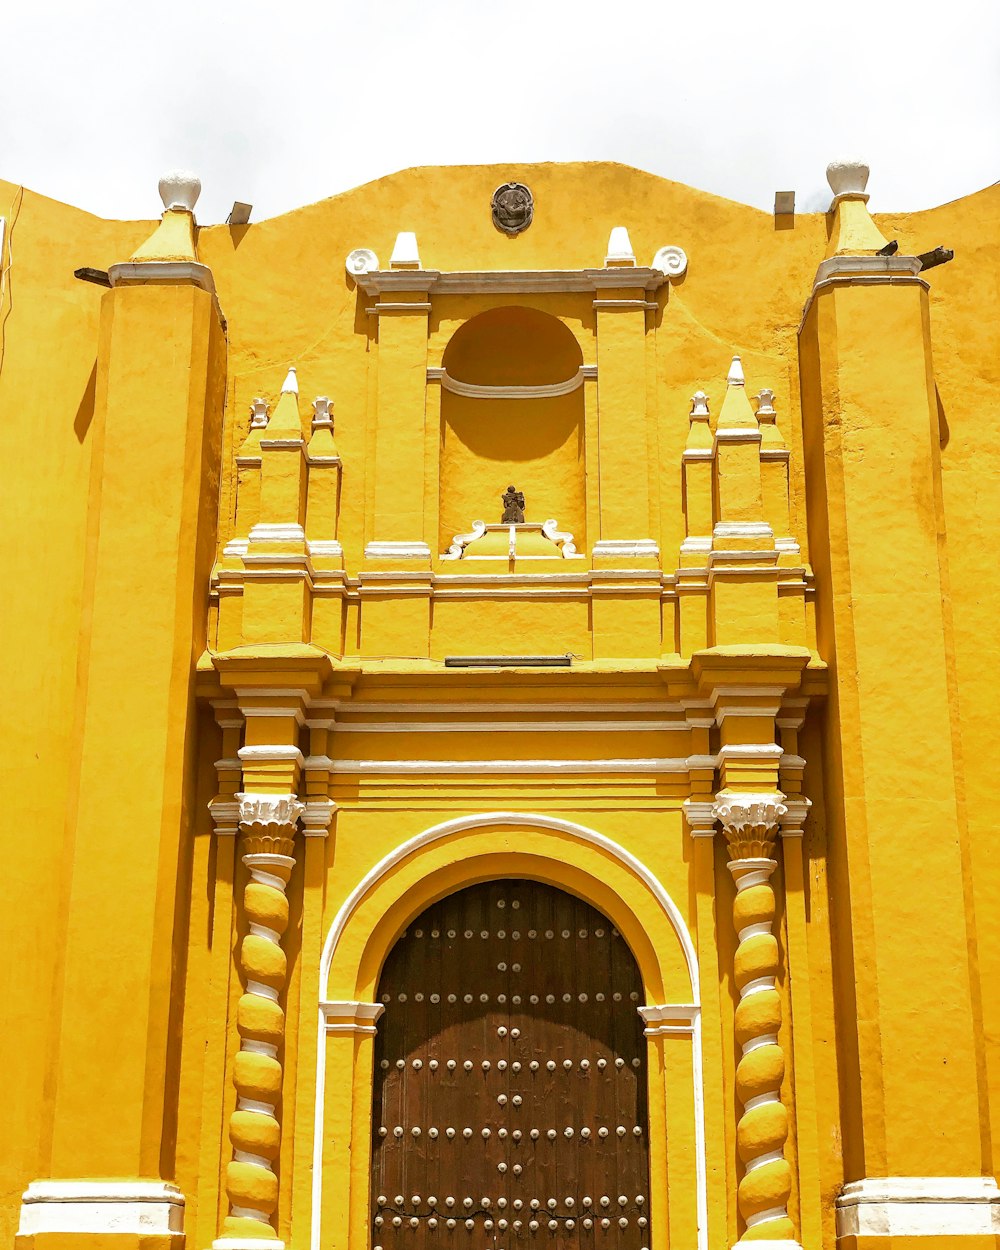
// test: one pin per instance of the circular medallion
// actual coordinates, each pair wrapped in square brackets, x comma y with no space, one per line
[361,261]
[512,207]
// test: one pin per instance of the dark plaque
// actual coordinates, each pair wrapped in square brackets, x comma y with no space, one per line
[513,208]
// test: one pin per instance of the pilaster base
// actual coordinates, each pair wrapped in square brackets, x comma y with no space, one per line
[247,1243]
[101,1215]
[933,1211]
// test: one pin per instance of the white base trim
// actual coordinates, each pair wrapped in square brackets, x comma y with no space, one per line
[772,1243]
[919,1206]
[146,1207]
[247,1243]
[626,548]
[397,551]
[278,532]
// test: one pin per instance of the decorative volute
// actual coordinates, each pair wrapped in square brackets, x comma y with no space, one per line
[853,232]
[174,238]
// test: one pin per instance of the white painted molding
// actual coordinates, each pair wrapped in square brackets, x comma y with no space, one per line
[279,810]
[565,724]
[258,1243]
[472,768]
[397,551]
[361,261]
[269,532]
[161,273]
[316,817]
[743,529]
[796,812]
[324,547]
[620,250]
[671,261]
[700,813]
[626,548]
[351,1016]
[179,188]
[506,281]
[225,815]
[266,753]
[474,390]
[669,1019]
[528,820]
[148,1208]
[919,1206]
[874,266]
[750,750]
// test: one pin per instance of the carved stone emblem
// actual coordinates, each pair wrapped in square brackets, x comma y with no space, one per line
[513,507]
[513,208]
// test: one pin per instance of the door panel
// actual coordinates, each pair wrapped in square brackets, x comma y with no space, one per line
[510,1079]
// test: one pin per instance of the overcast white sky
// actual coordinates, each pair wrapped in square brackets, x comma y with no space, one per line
[285,102]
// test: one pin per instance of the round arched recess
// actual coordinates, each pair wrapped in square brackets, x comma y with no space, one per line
[512,412]
[436,863]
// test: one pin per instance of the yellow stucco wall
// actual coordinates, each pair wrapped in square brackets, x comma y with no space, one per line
[286,300]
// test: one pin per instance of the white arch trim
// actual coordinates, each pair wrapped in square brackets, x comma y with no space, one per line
[534,821]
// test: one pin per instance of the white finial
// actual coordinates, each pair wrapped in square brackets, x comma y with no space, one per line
[765,403]
[735,376]
[322,414]
[258,413]
[619,248]
[179,188]
[290,386]
[405,254]
[847,177]
[699,404]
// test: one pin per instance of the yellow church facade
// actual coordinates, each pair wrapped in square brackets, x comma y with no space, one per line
[500,668]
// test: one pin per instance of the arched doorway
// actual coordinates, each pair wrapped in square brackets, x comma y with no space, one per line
[510,1078]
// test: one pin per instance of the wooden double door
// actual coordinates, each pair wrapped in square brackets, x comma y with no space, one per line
[510,1079]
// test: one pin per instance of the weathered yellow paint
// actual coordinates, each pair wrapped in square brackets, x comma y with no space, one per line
[873,655]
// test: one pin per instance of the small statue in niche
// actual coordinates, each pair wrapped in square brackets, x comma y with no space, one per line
[513,507]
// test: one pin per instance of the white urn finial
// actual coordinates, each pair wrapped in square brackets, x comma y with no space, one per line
[736,376]
[847,177]
[179,188]
[290,386]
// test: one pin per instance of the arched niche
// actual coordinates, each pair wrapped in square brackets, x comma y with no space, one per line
[512,411]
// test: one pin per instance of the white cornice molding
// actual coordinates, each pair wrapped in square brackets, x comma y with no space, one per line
[144,1208]
[915,1206]
[161,273]
[317,815]
[516,281]
[626,548]
[383,550]
[349,1016]
[474,390]
[487,767]
[669,1019]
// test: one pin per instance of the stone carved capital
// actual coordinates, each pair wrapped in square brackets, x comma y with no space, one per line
[268,821]
[750,821]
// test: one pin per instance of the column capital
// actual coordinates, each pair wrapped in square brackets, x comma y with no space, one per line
[796,811]
[351,1016]
[700,816]
[268,823]
[750,821]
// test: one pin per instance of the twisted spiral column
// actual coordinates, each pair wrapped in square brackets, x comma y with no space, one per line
[750,822]
[267,822]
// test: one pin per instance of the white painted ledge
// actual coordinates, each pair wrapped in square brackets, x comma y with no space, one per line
[919,1206]
[626,548]
[127,1207]
[162,273]
[397,551]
